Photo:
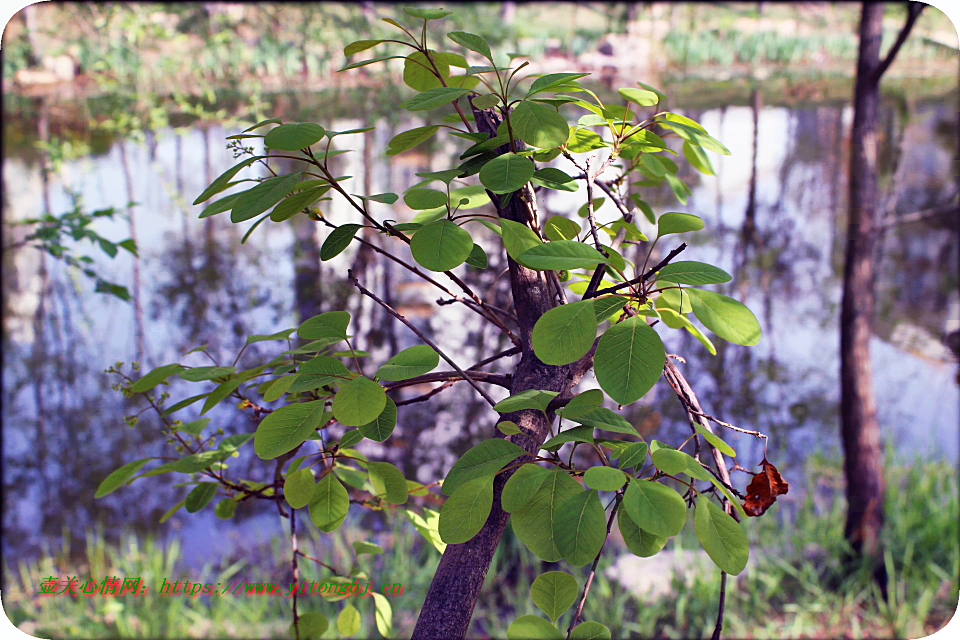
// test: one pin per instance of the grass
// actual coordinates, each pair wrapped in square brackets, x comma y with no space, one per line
[795,586]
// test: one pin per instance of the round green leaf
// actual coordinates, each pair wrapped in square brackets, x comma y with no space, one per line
[200,496]
[506,173]
[689,272]
[552,178]
[311,626]
[628,360]
[564,334]
[226,508]
[580,528]
[293,137]
[354,436]
[539,125]
[639,97]
[463,514]
[426,14]
[560,228]
[639,542]
[520,488]
[348,622]
[325,325]
[298,488]
[554,592]
[729,319]
[388,482]
[329,503]
[537,399]
[533,628]
[286,428]
[318,371]
[583,403]
[420,199]
[533,523]
[517,238]
[483,459]
[477,257]
[633,455]
[674,222]
[441,245]
[668,459]
[338,240]
[560,255]
[418,72]
[655,508]
[409,363]
[604,478]
[508,428]
[358,401]
[381,428]
[721,536]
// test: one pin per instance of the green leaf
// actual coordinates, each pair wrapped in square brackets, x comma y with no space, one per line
[608,306]
[409,139]
[697,158]
[564,334]
[689,272]
[279,335]
[517,238]
[584,210]
[576,434]
[692,132]
[418,71]
[381,428]
[463,514]
[726,317]
[590,631]
[583,140]
[506,173]
[532,628]
[582,403]
[676,299]
[604,478]
[656,508]
[633,456]
[223,204]
[580,528]
[409,363]
[353,436]
[533,523]
[348,622]
[426,14]
[388,481]
[552,178]
[529,399]
[255,201]
[232,443]
[263,123]
[716,441]
[420,199]
[200,496]
[668,459]
[477,257]
[311,626]
[628,360]
[721,536]
[639,542]
[539,125]
[427,526]
[329,503]
[293,137]
[674,222]
[560,255]
[441,245]
[223,180]
[196,374]
[296,203]
[552,80]
[603,418]
[558,227]
[218,394]
[196,427]
[362,547]
[338,240]
[483,459]
[554,592]
[317,372]
[298,488]
[433,98]
[325,325]
[363,63]
[358,401]
[472,42]
[486,101]
[226,508]
[508,428]
[520,488]
[358,46]
[286,428]
[639,97]
[119,477]
[383,614]
[155,377]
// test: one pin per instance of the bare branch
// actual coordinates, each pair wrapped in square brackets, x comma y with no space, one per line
[913,12]
[641,279]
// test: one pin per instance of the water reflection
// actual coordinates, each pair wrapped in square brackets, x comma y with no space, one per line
[773,213]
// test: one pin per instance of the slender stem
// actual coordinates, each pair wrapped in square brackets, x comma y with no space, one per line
[646,276]
[593,568]
[296,569]
[723,601]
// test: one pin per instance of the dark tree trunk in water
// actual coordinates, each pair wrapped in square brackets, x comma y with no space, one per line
[456,584]
[863,453]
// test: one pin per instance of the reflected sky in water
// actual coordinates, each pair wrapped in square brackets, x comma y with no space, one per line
[774,216]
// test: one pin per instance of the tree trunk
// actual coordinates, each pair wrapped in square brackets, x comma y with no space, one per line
[456,584]
[863,454]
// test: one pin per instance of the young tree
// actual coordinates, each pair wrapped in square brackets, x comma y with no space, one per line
[565,284]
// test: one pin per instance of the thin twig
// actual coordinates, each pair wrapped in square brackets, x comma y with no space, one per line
[499,379]
[723,601]
[641,279]
[420,335]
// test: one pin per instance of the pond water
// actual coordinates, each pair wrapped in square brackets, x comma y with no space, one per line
[774,218]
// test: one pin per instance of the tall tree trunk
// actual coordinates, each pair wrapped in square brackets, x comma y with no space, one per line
[860,433]
[456,584]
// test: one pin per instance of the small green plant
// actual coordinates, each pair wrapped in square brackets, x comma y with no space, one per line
[315,402]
